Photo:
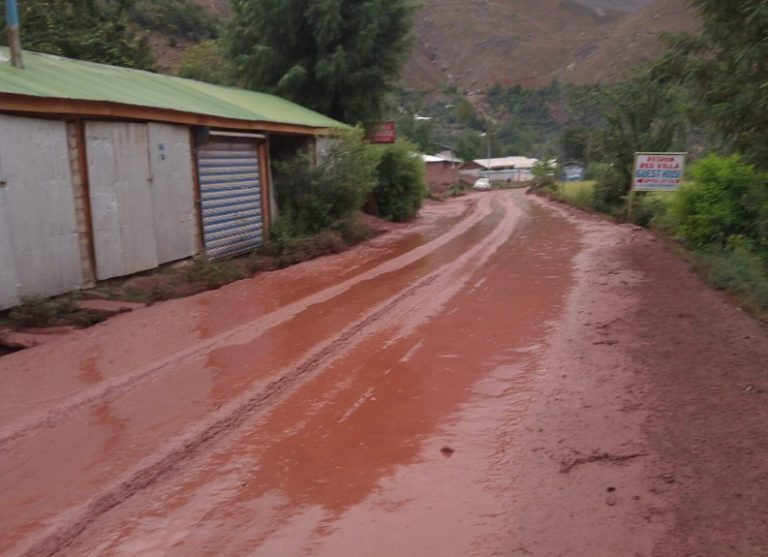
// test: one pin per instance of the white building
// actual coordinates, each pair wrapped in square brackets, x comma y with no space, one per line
[505,169]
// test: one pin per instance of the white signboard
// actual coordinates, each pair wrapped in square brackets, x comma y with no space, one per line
[658,171]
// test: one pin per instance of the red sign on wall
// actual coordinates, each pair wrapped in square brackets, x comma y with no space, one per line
[383,132]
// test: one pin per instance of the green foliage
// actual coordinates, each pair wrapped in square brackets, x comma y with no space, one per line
[353,230]
[312,197]
[339,57]
[578,194]
[418,132]
[645,116]
[469,146]
[726,198]
[610,189]
[464,113]
[178,18]
[548,121]
[42,312]
[724,67]
[206,62]
[738,268]
[544,173]
[213,274]
[400,188]
[93,30]
[457,190]
[284,250]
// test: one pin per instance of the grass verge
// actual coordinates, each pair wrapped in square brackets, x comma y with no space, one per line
[736,269]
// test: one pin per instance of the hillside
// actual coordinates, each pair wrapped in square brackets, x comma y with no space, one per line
[472,44]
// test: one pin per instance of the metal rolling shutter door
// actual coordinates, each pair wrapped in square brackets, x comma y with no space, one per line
[230,191]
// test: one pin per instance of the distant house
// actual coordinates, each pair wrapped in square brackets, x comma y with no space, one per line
[441,172]
[446,152]
[107,171]
[573,171]
[505,169]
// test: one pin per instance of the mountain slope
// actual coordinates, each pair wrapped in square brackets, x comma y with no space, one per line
[473,43]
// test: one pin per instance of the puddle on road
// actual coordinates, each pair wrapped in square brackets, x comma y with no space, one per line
[119,433]
[52,373]
[355,454]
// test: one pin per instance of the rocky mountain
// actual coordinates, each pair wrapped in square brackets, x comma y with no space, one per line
[474,43]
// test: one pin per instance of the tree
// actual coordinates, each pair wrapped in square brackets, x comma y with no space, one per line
[400,187]
[339,57]
[205,62]
[646,116]
[93,30]
[725,66]
[469,146]
[312,197]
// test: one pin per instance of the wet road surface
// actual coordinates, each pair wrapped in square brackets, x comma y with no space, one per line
[387,401]
[294,410]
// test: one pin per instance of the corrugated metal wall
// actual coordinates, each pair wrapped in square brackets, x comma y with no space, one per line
[121,198]
[39,249]
[230,190]
[173,191]
[142,195]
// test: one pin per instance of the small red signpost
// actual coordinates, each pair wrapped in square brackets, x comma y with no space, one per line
[383,132]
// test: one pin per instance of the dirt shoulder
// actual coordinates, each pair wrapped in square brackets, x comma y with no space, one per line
[647,433]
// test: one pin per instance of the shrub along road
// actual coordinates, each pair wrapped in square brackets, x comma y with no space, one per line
[501,377]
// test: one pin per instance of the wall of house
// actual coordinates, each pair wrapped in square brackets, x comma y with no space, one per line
[441,175]
[39,241]
[141,184]
[86,200]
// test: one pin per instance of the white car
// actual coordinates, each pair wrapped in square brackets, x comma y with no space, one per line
[482,184]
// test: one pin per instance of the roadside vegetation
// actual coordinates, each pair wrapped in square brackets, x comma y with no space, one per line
[720,216]
[706,95]
[52,312]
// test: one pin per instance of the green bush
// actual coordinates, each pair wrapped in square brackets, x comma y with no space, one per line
[578,194]
[213,274]
[725,198]
[353,230]
[595,170]
[179,18]
[400,188]
[313,197]
[457,190]
[610,189]
[206,62]
[650,208]
[544,174]
[42,312]
[738,268]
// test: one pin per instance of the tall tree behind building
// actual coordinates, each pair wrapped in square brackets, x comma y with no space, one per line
[339,57]
[93,30]
[726,67]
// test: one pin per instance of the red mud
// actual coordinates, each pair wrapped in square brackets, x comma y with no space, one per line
[501,378]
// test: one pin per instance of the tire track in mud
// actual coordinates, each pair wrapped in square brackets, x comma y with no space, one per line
[113,388]
[233,415]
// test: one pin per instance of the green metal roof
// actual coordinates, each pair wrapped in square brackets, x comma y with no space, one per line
[50,76]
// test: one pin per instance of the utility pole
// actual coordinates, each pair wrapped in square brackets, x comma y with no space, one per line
[12,30]
[489,150]
[487,135]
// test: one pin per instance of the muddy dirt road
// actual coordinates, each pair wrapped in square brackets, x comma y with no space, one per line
[502,377]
